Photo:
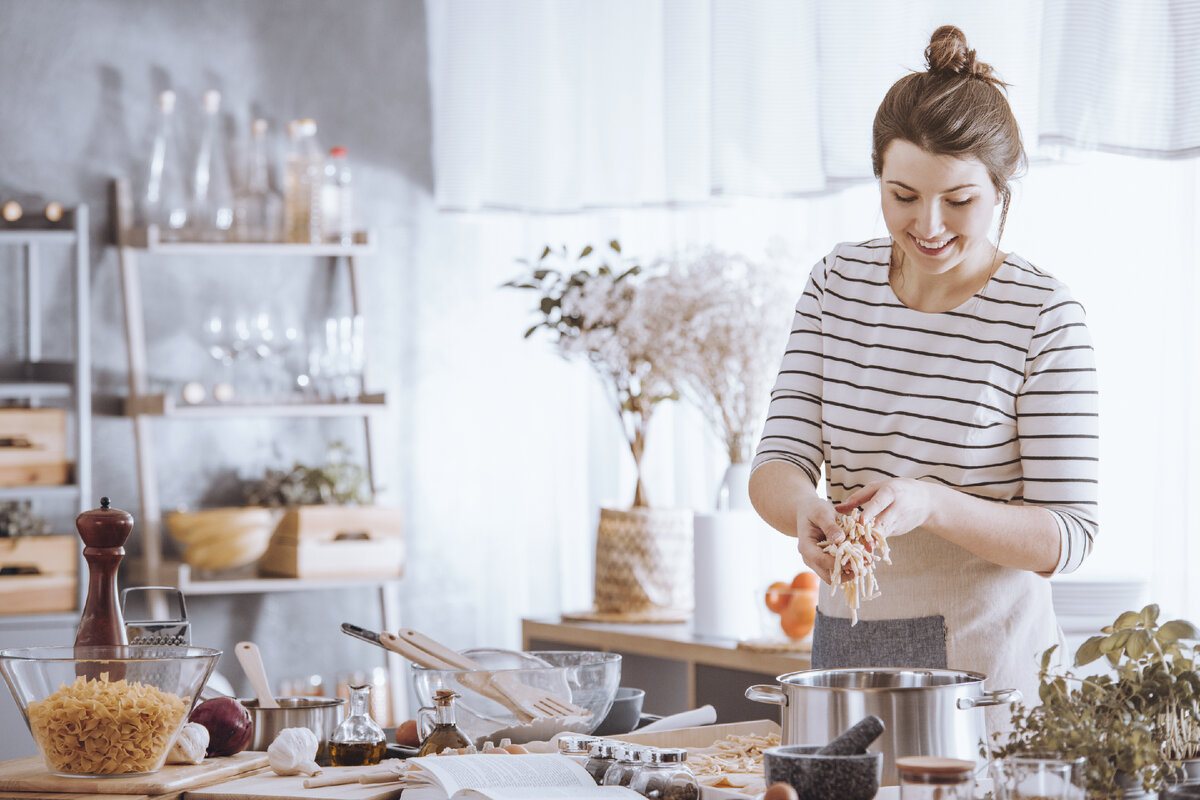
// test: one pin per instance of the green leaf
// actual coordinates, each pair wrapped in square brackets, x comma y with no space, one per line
[548,304]
[1137,643]
[1127,620]
[540,274]
[586,251]
[545,253]
[529,332]
[1176,629]
[1150,615]
[1088,652]
[615,245]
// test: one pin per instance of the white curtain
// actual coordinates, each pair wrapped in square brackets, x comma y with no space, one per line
[674,123]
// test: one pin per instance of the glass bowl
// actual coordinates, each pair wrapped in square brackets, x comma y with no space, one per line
[106,711]
[587,678]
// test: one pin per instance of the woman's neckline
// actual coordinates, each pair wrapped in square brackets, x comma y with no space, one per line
[973,297]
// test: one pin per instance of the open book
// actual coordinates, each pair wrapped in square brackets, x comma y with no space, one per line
[504,777]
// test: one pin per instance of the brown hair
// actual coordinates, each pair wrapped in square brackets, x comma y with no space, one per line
[955,108]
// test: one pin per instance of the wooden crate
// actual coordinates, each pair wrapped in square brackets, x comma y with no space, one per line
[33,444]
[334,541]
[54,588]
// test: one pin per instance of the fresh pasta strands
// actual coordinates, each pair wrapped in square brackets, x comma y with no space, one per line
[857,554]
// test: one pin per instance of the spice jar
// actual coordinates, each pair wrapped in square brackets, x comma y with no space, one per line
[933,778]
[358,740]
[630,759]
[576,746]
[602,755]
[665,776]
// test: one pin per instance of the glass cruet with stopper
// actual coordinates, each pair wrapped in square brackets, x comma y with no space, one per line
[664,776]
[445,732]
[358,740]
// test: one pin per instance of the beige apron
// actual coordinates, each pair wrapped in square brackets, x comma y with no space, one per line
[993,620]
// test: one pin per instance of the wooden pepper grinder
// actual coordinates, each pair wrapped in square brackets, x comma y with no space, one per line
[104,531]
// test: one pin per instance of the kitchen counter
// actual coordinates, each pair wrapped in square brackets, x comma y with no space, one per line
[678,669]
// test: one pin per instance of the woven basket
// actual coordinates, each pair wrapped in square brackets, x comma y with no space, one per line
[643,560]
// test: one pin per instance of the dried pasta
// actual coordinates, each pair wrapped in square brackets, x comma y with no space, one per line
[102,727]
[857,554]
[733,762]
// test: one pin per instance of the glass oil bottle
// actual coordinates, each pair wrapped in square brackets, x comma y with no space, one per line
[445,731]
[358,740]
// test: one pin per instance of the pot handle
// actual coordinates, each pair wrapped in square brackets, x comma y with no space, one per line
[762,693]
[996,698]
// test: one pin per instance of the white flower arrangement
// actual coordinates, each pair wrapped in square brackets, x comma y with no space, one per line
[735,311]
[599,312]
[709,326]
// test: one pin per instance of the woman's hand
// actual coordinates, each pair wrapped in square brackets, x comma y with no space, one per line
[897,505]
[816,526]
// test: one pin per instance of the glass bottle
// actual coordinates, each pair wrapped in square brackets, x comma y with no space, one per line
[445,731]
[629,761]
[337,198]
[664,776]
[258,209]
[357,741]
[932,778]
[601,756]
[212,192]
[164,204]
[303,179]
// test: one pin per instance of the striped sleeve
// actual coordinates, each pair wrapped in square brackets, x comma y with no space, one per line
[792,431]
[1058,426]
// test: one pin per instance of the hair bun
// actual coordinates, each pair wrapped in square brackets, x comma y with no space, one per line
[948,54]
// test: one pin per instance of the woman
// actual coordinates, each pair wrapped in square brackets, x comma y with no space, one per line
[949,390]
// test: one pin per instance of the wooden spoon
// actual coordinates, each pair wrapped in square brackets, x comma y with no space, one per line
[251,661]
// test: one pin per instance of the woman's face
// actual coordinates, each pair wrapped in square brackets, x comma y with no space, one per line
[938,209]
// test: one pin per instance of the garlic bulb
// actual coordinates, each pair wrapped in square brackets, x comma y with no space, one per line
[190,745]
[294,752]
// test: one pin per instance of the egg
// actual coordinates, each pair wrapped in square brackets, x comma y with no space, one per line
[780,791]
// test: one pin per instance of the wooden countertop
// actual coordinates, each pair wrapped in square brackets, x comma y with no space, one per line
[675,641]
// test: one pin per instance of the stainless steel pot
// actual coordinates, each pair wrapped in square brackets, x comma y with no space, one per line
[934,712]
[319,714]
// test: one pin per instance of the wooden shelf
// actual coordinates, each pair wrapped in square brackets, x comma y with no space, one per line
[179,575]
[148,239]
[35,390]
[64,491]
[37,236]
[163,405]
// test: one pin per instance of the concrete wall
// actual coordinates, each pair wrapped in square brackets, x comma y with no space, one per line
[77,84]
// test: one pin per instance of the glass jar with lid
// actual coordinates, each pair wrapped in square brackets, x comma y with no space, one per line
[665,776]
[576,746]
[933,778]
[601,756]
[630,759]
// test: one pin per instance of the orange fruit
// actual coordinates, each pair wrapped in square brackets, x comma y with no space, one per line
[798,618]
[779,595]
[806,581]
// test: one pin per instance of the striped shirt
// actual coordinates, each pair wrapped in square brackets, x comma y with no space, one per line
[996,398]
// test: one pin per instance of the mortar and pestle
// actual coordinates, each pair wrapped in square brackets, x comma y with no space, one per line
[843,768]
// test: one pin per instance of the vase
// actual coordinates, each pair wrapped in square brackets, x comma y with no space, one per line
[643,561]
[734,492]
[725,558]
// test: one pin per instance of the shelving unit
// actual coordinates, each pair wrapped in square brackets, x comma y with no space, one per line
[146,408]
[37,382]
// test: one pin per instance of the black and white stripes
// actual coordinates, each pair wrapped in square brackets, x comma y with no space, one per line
[996,398]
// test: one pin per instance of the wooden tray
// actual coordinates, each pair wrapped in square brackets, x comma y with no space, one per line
[30,775]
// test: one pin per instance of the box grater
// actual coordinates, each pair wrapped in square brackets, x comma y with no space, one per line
[167,631]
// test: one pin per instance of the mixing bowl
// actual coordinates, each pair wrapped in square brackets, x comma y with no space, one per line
[586,678]
[106,711]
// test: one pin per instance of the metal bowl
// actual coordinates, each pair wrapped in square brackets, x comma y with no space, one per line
[586,678]
[319,714]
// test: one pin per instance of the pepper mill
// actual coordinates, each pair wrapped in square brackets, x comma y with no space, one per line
[104,531]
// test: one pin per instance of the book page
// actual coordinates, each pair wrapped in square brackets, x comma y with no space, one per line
[453,773]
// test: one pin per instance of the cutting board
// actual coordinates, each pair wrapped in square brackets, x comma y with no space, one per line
[30,775]
[269,786]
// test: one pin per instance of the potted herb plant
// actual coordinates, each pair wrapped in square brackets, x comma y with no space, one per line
[1137,724]
[599,306]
